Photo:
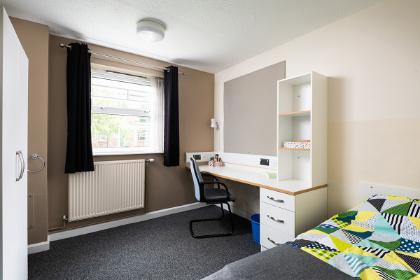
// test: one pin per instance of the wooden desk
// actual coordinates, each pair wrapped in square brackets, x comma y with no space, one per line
[258,177]
[287,208]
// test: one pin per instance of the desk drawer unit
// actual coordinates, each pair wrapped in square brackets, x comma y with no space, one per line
[280,219]
[283,216]
[278,199]
[277,211]
[277,225]
[271,237]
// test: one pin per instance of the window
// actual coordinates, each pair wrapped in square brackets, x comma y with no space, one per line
[126,114]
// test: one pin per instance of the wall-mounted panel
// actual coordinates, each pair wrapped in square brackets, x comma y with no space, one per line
[250,111]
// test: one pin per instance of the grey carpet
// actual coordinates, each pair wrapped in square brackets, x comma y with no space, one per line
[161,248]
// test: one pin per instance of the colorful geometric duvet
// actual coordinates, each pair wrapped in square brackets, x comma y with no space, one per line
[380,239]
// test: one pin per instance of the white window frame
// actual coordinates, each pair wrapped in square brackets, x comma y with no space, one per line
[157,115]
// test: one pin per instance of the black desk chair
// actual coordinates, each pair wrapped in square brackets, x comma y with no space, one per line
[210,196]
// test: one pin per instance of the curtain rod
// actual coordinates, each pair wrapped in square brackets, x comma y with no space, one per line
[124,60]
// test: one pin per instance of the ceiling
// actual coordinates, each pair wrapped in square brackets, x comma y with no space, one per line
[209,35]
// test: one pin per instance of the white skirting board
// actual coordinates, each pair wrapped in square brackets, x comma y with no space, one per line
[39,247]
[44,246]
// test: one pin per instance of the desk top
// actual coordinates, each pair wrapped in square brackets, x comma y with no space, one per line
[258,177]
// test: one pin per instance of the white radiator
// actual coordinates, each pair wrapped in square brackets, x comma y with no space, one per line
[114,186]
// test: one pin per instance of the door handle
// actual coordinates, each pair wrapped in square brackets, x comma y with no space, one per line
[275,200]
[272,241]
[18,161]
[23,165]
[22,170]
[19,154]
[274,219]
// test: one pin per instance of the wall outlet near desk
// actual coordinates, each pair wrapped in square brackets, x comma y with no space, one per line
[264,161]
[197,156]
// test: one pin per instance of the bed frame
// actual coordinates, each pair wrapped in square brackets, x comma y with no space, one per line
[369,189]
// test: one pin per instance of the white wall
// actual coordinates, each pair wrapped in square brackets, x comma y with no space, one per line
[372,59]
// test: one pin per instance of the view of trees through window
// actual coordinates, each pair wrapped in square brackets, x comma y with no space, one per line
[122,113]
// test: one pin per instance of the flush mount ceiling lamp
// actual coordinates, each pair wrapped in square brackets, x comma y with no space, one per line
[150,29]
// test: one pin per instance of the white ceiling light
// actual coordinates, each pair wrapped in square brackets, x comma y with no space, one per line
[150,29]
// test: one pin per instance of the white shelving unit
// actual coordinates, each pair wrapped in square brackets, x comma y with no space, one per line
[302,116]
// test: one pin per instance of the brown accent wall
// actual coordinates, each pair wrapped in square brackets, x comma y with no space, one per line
[34,38]
[165,186]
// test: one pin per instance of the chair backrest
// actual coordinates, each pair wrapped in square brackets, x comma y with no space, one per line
[197,179]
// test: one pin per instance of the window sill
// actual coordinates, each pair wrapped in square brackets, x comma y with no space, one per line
[125,153]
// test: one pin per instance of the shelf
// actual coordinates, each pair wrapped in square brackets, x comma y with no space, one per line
[296,113]
[292,149]
[297,80]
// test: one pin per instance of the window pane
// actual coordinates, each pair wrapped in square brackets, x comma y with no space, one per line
[126,114]
[113,131]
[121,95]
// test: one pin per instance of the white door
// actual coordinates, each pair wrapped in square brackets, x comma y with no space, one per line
[14,122]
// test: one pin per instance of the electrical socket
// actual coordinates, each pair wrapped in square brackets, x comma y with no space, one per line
[264,161]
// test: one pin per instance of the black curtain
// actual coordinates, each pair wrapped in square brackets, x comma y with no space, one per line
[79,143]
[171,131]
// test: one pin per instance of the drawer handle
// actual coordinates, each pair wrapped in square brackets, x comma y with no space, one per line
[275,200]
[272,241]
[274,219]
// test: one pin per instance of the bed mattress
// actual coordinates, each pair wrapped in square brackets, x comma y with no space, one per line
[281,262]
[378,239]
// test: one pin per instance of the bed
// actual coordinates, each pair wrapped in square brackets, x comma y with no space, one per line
[378,239]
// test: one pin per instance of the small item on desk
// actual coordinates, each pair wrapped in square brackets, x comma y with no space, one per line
[272,175]
[216,161]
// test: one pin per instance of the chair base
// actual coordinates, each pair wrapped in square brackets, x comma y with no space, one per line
[214,219]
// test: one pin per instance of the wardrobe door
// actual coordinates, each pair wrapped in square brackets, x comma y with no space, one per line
[14,135]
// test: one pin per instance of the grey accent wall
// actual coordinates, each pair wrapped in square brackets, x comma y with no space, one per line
[250,111]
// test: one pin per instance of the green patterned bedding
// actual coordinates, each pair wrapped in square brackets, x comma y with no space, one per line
[379,239]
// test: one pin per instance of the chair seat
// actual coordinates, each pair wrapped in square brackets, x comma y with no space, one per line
[216,195]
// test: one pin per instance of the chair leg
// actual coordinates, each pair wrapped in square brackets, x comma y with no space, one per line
[231,217]
[214,219]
